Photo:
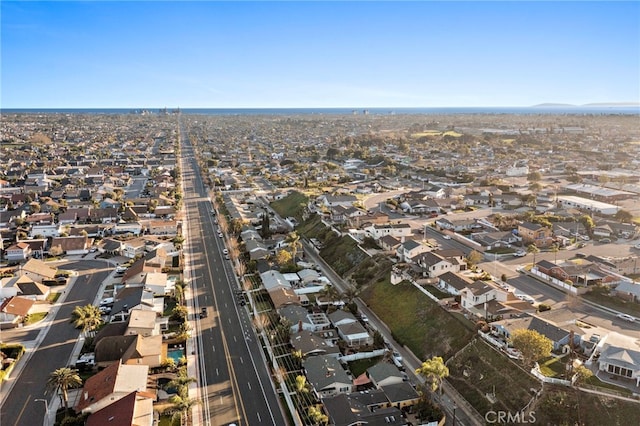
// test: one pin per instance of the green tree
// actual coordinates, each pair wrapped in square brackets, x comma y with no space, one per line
[317,416]
[301,384]
[434,372]
[554,249]
[283,257]
[624,216]
[183,405]
[88,318]
[474,257]
[62,380]
[531,344]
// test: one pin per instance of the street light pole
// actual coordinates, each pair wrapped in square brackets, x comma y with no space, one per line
[45,421]
[455,406]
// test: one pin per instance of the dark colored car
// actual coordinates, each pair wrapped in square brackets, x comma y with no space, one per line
[203,313]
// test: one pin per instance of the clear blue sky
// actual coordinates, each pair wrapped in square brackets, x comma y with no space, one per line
[317,54]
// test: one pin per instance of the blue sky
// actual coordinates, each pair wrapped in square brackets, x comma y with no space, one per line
[317,54]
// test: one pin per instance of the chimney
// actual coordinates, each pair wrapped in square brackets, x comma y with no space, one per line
[299,326]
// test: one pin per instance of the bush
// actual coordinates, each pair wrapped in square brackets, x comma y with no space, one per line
[543,307]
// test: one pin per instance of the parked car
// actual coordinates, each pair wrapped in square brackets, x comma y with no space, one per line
[106,301]
[520,253]
[203,313]
[225,251]
[626,317]
[637,246]
[447,237]
[605,240]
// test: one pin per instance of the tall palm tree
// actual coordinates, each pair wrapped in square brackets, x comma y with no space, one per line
[88,318]
[183,405]
[532,248]
[62,380]
[294,242]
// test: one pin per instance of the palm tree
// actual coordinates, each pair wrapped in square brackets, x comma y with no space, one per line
[351,293]
[88,318]
[532,248]
[63,379]
[181,382]
[183,405]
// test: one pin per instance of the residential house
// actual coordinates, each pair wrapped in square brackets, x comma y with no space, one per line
[558,335]
[73,245]
[133,409]
[143,323]
[301,319]
[619,358]
[162,227]
[453,283]
[628,290]
[133,247]
[37,270]
[362,408]
[534,233]
[18,252]
[410,249]
[478,293]
[389,243]
[337,200]
[132,298]
[326,375]
[401,395]
[398,230]
[433,265]
[112,384]
[45,231]
[310,344]
[256,249]
[133,349]
[13,311]
[383,374]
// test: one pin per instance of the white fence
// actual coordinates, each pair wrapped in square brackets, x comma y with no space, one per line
[536,372]
[362,355]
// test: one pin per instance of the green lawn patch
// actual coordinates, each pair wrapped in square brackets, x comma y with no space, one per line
[553,367]
[291,205]
[35,317]
[361,365]
[480,370]
[594,381]
[415,320]
[53,297]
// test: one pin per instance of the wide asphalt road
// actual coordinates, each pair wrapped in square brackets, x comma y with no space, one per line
[55,350]
[235,384]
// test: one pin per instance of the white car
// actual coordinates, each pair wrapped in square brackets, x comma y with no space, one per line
[637,246]
[626,317]
[447,237]
[520,253]
[225,251]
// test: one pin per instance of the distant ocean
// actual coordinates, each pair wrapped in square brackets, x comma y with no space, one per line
[568,110]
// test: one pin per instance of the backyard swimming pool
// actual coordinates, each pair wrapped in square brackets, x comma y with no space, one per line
[176,354]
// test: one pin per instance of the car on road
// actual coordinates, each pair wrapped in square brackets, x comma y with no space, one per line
[626,317]
[446,237]
[605,240]
[225,251]
[203,313]
[520,253]
[637,246]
